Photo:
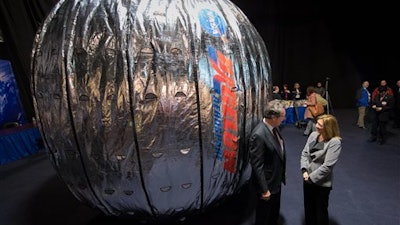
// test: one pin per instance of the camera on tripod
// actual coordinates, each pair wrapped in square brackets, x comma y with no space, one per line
[327,97]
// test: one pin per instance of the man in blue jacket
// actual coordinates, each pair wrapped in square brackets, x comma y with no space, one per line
[363,97]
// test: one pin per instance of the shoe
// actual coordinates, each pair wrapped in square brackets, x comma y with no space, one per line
[362,127]
[371,139]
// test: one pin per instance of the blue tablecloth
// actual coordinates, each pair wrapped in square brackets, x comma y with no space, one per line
[18,143]
[291,116]
[11,109]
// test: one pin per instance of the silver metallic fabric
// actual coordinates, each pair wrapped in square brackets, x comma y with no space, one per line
[145,106]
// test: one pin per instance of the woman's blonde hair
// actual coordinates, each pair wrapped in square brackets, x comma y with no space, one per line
[331,126]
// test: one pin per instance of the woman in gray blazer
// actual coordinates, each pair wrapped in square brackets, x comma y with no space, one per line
[318,158]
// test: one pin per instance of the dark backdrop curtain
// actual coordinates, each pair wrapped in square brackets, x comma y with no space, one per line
[346,41]
[307,42]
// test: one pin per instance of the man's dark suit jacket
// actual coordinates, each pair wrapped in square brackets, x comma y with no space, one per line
[385,114]
[267,160]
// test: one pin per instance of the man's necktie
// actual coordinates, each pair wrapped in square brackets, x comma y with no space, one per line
[275,131]
[278,137]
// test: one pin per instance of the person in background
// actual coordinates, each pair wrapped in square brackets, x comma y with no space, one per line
[318,158]
[296,92]
[382,106]
[311,100]
[383,83]
[268,162]
[285,93]
[275,93]
[396,93]
[319,89]
[363,98]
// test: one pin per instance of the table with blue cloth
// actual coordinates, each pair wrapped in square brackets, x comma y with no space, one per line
[294,110]
[18,142]
[291,117]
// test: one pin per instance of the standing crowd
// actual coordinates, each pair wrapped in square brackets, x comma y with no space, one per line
[320,153]
[379,108]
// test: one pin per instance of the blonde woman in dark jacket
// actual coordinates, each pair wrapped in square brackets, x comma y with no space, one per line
[318,159]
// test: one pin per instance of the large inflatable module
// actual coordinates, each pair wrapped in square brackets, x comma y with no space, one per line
[145,106]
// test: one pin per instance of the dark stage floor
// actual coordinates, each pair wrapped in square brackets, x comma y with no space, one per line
[366,187]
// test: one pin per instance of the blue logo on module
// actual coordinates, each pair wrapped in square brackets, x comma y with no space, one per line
[212,23]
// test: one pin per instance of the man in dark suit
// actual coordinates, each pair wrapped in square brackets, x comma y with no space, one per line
[268,161]
[382,105]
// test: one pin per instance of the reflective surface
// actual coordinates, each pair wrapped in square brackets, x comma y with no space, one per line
[145,106]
